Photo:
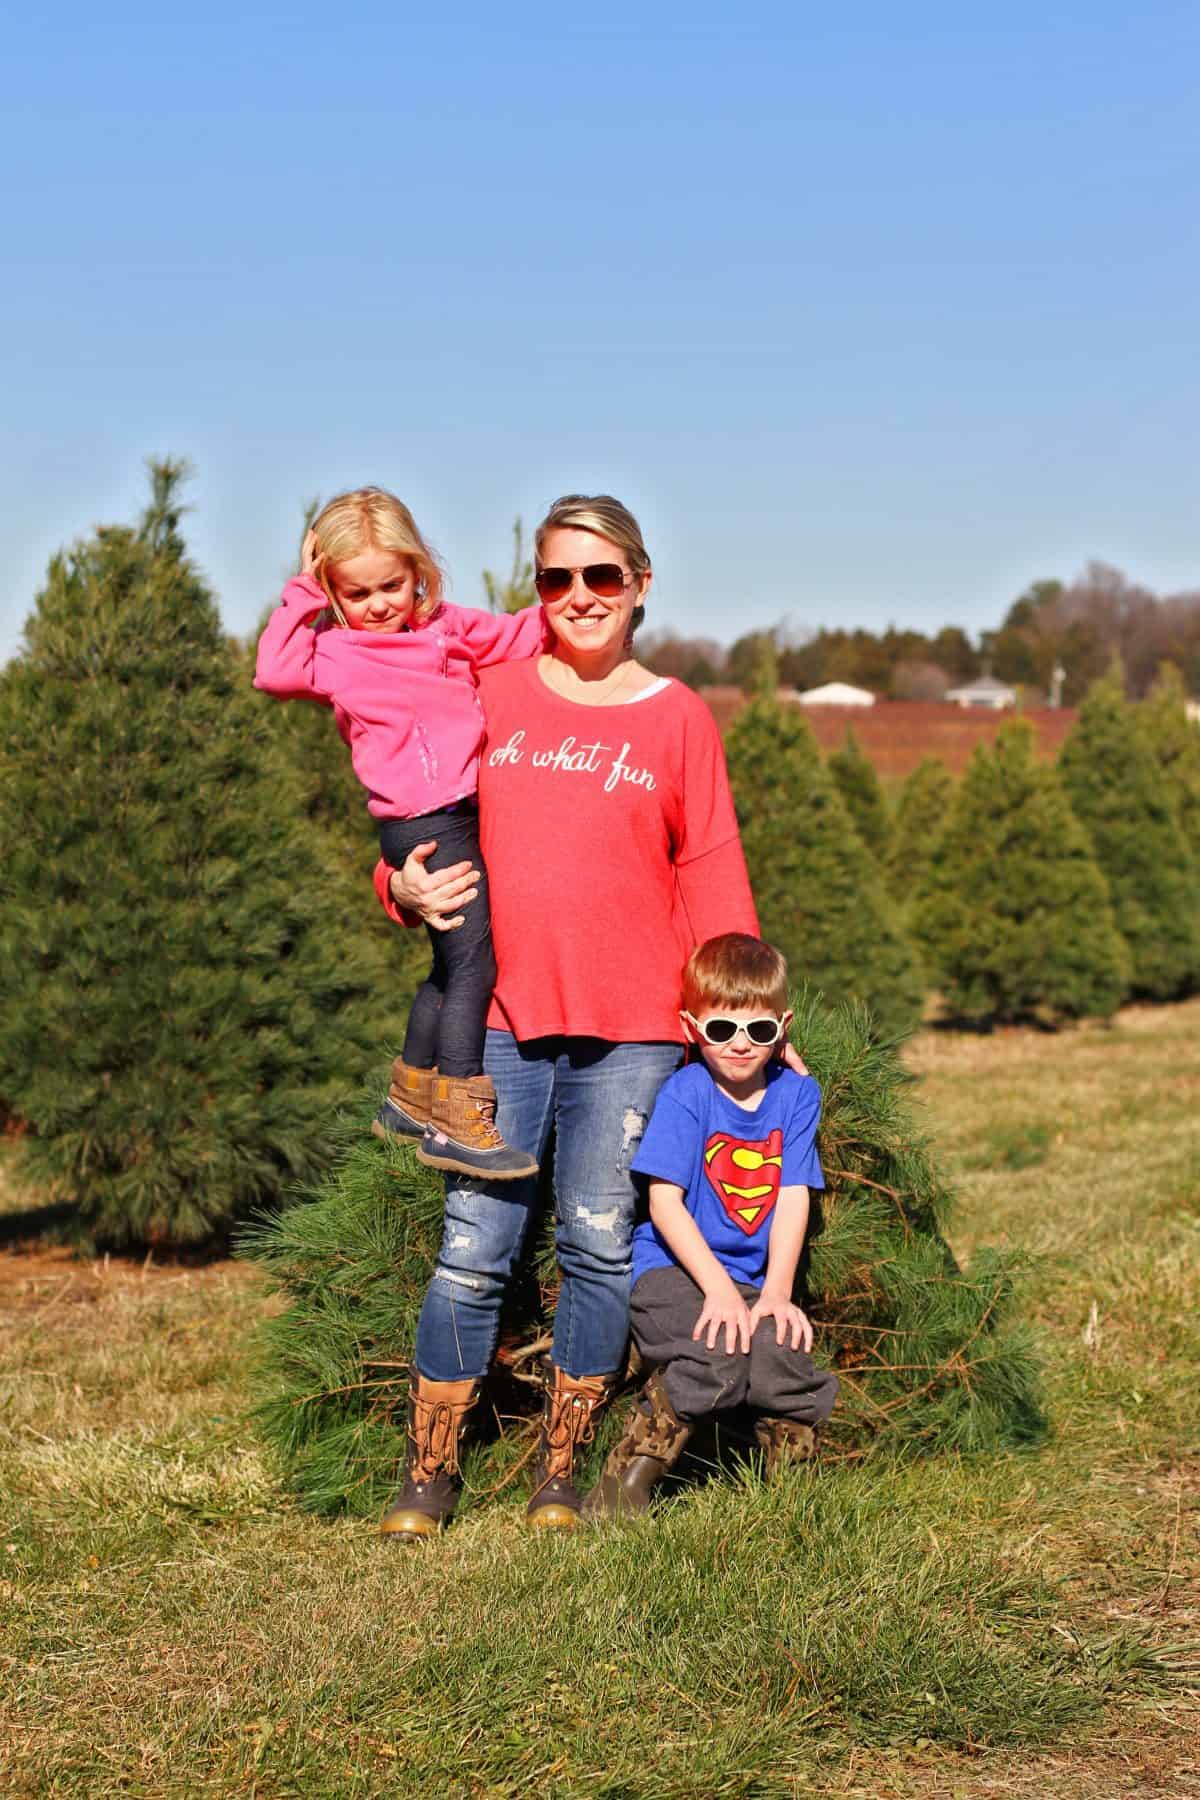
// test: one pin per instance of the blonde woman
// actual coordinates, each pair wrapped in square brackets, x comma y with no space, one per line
[609,831]
[365,630]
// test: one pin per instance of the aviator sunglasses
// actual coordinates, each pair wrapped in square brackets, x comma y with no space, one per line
[718,1031]
[605,580]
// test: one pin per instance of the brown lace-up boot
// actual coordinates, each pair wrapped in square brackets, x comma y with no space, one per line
[783,1442]
[572,1409]
[651,1443]
[437,1411]
[405,1112]
[462,1136]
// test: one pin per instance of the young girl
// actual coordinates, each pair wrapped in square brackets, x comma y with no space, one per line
[365,630]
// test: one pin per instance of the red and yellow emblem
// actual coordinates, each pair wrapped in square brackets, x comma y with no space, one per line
[745,1176]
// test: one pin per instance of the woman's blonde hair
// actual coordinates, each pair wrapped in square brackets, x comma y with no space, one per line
[372,519]
[608,519]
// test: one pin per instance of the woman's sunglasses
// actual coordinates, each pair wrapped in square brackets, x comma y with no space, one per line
[605,580]
[718,1031]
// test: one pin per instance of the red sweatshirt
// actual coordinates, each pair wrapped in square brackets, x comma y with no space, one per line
[612,850]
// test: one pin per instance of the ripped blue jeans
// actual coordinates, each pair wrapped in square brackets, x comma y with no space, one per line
[597,1097]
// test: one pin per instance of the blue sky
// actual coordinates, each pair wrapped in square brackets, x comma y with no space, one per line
[872,319]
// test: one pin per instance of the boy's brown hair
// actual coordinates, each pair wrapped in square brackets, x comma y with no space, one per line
[735,970]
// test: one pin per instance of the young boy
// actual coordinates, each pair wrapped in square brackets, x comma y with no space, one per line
[731,1157]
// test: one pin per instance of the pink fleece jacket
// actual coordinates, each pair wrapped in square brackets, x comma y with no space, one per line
[405,701]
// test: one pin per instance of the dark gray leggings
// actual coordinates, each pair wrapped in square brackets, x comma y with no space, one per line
[776,1380]
[449,1015]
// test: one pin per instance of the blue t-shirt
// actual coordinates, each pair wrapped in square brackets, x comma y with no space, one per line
[730,1163]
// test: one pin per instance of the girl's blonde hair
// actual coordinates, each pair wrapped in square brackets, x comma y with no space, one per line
[608,519]
[372,519]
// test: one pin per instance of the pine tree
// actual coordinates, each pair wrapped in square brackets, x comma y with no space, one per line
[185,1001]
[1012,912]
[921,814]
[858,784]
[1123,799]
[928,1355]
[1174,740]
[819,893]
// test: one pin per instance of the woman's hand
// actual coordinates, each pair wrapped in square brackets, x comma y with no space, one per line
[791,1058]
[436,895]
[790,1323]
[724,1309]
[309,552]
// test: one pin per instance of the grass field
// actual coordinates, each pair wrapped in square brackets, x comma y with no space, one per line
[1025,1626]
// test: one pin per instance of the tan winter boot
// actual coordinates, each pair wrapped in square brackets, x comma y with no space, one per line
[650,1445]
[437,1411]
[405,1112]
[462,1136]
[572,1409]
[783,1442]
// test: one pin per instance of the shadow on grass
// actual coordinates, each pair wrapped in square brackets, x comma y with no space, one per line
[53,1222]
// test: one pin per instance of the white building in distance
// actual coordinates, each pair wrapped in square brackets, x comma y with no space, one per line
[836,693]
[986,692]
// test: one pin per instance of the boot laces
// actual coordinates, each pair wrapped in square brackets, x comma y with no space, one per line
[435,1438]
[570,1426]
[485,1129]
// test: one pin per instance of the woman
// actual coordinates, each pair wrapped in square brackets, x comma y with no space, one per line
[611,849]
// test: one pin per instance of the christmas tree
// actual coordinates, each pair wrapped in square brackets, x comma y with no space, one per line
[1174,740]
[921,814]
[1012,912]
[819,892]
[1123,798]
[928,1355]
[857,783]
[186,1003]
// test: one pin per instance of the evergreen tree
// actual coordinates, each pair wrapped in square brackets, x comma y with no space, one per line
[1012,912]
[921,815]
[858,784]
[928,1355]
[1174,740]
[517,591]
[819,893]
[1123,798]
[185,1003]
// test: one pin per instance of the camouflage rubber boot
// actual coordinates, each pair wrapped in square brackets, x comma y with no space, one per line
[651,1443]
[783,1442]
[437,1411]
[406,1111]
[461,1135]
[571,1412]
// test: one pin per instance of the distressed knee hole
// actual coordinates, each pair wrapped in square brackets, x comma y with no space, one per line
[453,1279]
[599,1221]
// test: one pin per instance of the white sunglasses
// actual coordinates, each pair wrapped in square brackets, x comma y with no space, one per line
[718,1031]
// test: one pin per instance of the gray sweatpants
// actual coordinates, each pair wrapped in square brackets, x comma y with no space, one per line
[774,1379]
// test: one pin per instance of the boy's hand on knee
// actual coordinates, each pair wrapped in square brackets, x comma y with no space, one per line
[724,1309]
[791,1324]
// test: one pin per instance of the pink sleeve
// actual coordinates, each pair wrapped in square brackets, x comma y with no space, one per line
[500,637]
[710,870]
[287,650]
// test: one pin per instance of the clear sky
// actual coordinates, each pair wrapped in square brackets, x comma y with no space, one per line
[870,313]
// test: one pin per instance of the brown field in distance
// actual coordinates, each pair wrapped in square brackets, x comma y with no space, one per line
[897,734]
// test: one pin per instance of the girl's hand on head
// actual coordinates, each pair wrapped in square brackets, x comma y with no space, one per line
[436,895]
[309,552]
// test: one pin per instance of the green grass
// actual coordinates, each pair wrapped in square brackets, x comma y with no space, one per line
[1019,1625]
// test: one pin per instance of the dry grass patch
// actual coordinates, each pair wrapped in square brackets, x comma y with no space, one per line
[1000,1630]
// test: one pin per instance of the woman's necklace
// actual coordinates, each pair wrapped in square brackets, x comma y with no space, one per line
[596,692]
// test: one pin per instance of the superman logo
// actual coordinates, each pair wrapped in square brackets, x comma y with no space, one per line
[745,1176]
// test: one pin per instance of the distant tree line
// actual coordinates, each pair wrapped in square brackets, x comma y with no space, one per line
[1081,626]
